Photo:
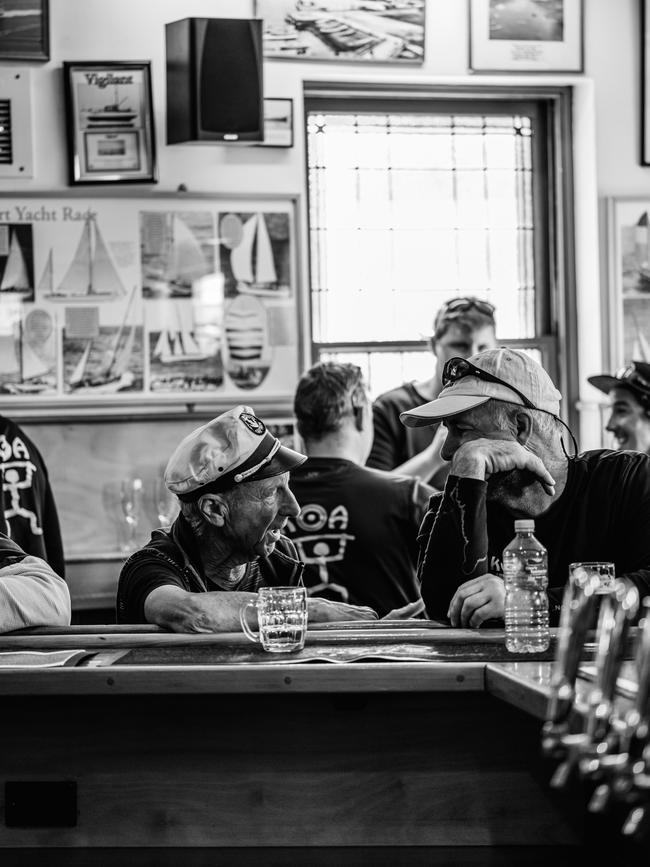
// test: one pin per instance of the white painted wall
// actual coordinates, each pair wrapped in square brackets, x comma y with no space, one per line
[607,116]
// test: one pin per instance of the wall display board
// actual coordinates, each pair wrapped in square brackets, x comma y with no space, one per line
[131,300]
[388,32]
[627,300]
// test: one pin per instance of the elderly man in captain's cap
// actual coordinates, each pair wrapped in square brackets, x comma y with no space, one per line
[508,460]
[232,479]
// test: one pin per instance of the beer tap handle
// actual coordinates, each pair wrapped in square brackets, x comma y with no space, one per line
[575,618]
[618,610]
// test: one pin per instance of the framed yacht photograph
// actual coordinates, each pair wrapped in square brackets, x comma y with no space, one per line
[526,35]
[24,30]
[343,30]
[156,299]
[626,302]
[111,137]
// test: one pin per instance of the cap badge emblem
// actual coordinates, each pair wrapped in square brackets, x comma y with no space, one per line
[253,423]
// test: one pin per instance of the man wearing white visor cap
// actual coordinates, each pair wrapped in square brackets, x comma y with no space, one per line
[231,477]
[506,445]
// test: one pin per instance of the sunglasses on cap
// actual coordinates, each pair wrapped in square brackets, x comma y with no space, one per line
[633,376]
[458,368]
[460,305]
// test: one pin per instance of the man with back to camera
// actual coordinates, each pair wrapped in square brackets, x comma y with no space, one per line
[629,399]
[357,528]
[462,327]
[26,499]
[508,460]
[231,477]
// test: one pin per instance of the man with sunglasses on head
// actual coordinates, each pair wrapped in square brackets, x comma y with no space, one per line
[462,327]
[629,398]
[506,445]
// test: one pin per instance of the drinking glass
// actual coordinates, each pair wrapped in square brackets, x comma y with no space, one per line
[282,618]
[603,571]
[131,502]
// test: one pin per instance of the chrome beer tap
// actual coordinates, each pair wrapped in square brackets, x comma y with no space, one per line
[627,769]
[618,609]
[575,617]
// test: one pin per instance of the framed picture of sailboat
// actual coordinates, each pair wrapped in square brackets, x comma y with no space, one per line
[626,305]
[111,136]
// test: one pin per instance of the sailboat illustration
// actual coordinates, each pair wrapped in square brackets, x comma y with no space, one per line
[247,346]
[183,259]
[15,277]
[91,273]
[30,373]
[252,260]
[113,373]
[177,344]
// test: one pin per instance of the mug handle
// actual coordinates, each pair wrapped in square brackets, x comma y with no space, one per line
[248,632]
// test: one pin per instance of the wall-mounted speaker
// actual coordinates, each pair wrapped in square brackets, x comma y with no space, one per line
[215,86]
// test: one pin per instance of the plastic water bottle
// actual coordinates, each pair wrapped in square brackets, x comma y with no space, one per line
[525,573]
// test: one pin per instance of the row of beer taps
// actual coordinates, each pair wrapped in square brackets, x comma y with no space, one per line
[601,738]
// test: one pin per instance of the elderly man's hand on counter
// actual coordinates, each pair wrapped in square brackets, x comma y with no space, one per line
[327,611]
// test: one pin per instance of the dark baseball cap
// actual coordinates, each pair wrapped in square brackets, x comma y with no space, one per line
[635,377]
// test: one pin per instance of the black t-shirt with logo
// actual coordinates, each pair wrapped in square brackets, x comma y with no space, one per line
[603,513]
[28,514]
[357,532]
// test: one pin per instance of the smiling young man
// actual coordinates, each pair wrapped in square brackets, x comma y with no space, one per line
[462,327]
[629,399]
[508,460]
[232,479]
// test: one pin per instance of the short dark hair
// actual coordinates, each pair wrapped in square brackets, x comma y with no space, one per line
[326,394]
[467,312]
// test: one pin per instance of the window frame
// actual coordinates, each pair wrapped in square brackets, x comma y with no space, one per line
[554,242]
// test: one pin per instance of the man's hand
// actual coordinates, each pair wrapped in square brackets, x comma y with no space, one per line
[328,611]
[478,600]
[406,612]
[482,457]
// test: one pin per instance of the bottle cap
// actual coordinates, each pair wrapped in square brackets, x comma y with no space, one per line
[524,524]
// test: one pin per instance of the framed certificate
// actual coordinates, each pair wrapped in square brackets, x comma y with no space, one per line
[110,123]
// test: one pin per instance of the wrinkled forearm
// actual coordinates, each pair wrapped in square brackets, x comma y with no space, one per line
[456,549]
[174,608]
[32,594]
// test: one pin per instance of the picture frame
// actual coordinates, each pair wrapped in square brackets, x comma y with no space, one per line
[109,112]
[503,38]
[278,123]
[343,32]
[645,83]
[626,306]
[156,300]
[25,30]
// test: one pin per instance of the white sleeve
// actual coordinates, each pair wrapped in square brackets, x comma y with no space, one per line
[32,594]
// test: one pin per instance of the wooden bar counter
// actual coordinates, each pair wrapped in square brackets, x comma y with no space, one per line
[158,743]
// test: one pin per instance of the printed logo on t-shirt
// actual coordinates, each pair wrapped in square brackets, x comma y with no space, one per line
[17,475]
[321,539]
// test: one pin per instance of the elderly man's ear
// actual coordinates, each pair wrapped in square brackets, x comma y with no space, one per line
[214,509]
[524,427]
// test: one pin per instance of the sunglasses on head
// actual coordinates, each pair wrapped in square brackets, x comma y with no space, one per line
[633,376]
[460,305]
[458,368]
